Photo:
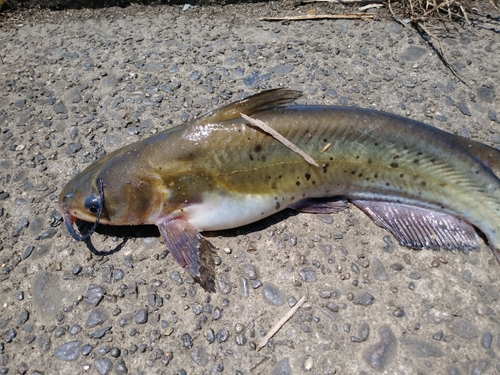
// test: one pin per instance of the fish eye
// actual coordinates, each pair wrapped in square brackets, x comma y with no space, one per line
[92,204]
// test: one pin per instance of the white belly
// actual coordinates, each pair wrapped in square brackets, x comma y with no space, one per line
[225,212]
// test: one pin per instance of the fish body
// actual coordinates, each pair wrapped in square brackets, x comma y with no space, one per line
[429,188]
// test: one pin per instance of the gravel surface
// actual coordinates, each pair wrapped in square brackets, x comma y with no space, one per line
[78,84]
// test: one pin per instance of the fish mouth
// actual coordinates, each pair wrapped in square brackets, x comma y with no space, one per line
[70,219]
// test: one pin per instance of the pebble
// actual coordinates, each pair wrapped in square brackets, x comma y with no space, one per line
[199,356]
[187,341]
[364,299]
[308,364]
[69,351]
[420,348]
[96,317]
[282,368]
[121,367]
[103,365]
[380,355]
[486,340]
[250,271]
[141,316]
[464,329]
[308,274]
[272,295]
[378,270]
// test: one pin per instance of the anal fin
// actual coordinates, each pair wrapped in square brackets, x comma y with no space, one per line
[190,250]
[320,205]
[417,227]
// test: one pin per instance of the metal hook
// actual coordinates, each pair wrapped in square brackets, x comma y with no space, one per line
[67,219]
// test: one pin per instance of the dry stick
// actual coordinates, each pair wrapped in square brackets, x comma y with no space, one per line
[440,49]
[441,52]
[319,16]
[273,133]
[281,323]
[345,1]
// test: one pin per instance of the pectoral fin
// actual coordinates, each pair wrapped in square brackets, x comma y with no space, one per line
[417,227]
[190,250]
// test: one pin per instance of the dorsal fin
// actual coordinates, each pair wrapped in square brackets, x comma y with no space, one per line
[264,100]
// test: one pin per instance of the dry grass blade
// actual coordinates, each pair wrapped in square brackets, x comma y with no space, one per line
[349,16]
[273,133]
[281,323]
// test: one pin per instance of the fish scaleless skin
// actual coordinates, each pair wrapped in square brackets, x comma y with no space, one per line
[426,186]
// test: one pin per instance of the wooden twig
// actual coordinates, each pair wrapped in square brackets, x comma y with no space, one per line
[348,16]
[273,133]
[281,323]
[370,6]
[346,1]
[442,54]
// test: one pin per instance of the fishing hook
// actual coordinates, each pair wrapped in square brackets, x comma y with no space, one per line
[69,225]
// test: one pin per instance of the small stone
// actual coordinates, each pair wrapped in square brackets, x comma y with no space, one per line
[272,295]
[463,328]
[86,349]
[308,274]
[96,317]
[308,363]
[250,271]
[199,355]
[420,348]
[141,317]
[9,335]
[121,367]
[365,299]
[486,340]
[69,351]
[378,356]
[103,365]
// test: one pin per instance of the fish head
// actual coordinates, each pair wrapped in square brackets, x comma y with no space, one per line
[82,197]
[119,189]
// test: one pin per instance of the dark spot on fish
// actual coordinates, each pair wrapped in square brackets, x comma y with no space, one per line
[360,175]
[268,177]
[432,160]
[423,183]
[331,158]
[325,167]
[369,161]
[278,205]
[396,157]
[292,198]
[416,161]
[442,184]
[307,176]
[314,182]
[376,143]
[251,157]
[345,170]
[257,148]
[357,156]
[325,140]
[297,183]
[387,184]
[376,176]
[394,165]
[419,153]
[280,176]
[274,186]
[352,172]
[401,175]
